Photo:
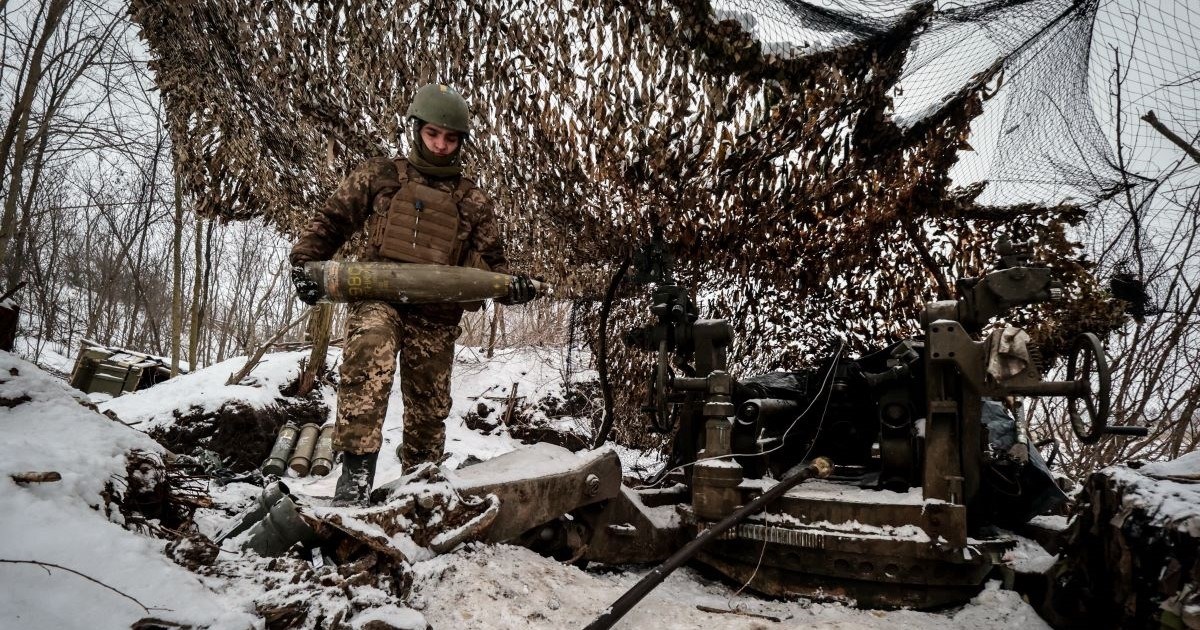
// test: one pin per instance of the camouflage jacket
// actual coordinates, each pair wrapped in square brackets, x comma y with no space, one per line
[368,190]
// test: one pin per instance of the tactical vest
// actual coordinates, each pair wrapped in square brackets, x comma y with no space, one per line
[422,223]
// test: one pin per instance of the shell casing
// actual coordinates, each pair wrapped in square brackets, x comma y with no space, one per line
[305,444]
[257,510]
[322,461]
[281,527]
[277,461]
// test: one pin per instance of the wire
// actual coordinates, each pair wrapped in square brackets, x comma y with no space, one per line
[762,552]
[783,439]
[820,423]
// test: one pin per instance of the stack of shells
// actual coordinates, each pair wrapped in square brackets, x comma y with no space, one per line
[305,449]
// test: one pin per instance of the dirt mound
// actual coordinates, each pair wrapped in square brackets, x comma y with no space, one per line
[1131,558]
[554,418]
[240,434]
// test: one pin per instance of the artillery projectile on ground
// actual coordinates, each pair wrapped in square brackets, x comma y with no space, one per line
[304,449]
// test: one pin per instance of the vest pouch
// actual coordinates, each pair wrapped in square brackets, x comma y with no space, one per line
[421,226]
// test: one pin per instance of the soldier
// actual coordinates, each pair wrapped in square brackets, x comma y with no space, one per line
[419,209]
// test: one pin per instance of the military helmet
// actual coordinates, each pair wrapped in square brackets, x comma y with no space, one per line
[441,105]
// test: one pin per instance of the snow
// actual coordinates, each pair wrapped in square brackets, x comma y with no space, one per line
[537,460]
[910,533]
[511,587]
[1054,522]
[1186,466]
[205,389]
[1171,504]
[35,432]
[395,617]
[477,586]
[64,523]
[833,491]
[50,356]
[1028,556]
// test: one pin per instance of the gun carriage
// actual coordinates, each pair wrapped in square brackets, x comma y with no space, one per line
[928,436]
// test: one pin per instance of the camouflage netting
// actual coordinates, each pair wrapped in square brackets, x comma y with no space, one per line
[797,156]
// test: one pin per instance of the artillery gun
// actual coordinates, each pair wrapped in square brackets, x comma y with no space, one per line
[918,433]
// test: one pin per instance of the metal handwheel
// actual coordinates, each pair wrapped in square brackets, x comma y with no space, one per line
[1088,365]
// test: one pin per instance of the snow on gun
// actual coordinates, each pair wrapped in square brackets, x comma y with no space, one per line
[410,283]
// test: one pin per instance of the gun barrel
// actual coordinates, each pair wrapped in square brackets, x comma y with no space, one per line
[409,283]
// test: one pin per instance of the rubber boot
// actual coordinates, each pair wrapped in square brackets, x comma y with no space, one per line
[354,485]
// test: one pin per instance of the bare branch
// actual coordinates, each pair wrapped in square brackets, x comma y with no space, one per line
[49,565]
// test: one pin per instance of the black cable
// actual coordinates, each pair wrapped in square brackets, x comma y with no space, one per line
[606,422]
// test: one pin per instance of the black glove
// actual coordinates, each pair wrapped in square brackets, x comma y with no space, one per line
[307,289]
[519,292]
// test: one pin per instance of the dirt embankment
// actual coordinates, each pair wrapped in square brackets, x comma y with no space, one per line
[240,434]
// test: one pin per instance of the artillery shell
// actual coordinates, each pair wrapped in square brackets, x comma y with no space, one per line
[304,449]
[322,461]
[277,462]
[409,283]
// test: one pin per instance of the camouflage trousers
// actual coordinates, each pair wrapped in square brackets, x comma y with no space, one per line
[424,338]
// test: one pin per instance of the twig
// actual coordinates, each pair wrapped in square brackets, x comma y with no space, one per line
[734,611]
[482,394]
[237,377]
[1171,135]
[36,477]
[44,565]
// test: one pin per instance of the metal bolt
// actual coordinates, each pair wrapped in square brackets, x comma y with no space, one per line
[591,485]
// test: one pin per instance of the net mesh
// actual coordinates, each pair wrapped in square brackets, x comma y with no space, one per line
[821,169]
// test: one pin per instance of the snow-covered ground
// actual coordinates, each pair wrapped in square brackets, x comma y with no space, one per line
[206,390]
[493,587]
[49,355]
[129,577]
[63,563]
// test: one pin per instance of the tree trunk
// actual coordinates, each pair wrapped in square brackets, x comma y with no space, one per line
[177,280]
[14,138]
[22,235]
[205,292]
[319,328]
[197,275]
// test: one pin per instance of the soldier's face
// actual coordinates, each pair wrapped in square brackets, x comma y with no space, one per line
[440,141]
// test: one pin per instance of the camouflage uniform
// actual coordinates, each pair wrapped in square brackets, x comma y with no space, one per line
[423,334]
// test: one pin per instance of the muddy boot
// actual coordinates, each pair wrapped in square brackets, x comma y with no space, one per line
[354,485]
